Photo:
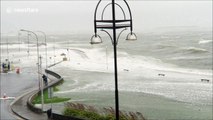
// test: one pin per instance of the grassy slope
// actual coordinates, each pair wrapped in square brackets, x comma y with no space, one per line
[54,99]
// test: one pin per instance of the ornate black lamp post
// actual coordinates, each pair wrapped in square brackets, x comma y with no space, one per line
[113,24]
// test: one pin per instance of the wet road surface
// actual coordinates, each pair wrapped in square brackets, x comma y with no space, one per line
[14,85]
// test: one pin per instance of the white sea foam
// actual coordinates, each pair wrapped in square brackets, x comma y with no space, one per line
[187,58]
[142,70]
[194,50]
[204,41]
[174,85]
[95,60]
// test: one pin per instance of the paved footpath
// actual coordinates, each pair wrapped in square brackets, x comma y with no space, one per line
[19,106]
[14,85]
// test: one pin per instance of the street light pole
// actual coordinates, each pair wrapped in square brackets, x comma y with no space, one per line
[28,42]
[54,52]
[19,42]
[45,38]
[0,58]
[39,78]
[7,49]
[49,89]
[115,62]
[42,84]
[113,24]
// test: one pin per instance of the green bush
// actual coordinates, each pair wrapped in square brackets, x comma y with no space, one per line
[90,113]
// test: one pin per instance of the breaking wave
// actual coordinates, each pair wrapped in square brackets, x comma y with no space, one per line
[204,41]
[193,50]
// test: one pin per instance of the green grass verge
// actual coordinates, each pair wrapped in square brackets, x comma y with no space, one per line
[54,99]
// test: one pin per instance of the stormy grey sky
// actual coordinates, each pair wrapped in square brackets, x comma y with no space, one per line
[77,16]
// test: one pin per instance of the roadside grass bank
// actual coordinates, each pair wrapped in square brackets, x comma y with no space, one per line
[89,112]
[47,100]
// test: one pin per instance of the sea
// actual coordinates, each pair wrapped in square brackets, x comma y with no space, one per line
[159,74]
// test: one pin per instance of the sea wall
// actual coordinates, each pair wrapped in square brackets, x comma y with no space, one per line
[58,80]
[52,116]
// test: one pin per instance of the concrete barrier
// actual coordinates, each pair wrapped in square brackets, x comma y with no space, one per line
[53,116]
[31,106]
[31,98]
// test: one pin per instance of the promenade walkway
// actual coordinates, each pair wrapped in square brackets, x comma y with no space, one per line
[19,106]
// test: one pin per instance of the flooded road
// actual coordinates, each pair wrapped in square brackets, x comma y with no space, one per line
[13,85]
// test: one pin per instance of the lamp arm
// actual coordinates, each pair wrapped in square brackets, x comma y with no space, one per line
[120,35]
[95,30]
[36,39]
[108,34]
[102,15]
[45,37]
[111,36]
[32,33]
[130,14]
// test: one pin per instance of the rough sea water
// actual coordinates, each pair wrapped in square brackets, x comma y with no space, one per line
[159,75]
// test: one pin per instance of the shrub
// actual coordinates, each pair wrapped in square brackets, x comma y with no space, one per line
[91,113]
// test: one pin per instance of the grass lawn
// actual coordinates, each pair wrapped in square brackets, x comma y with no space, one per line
[54,99]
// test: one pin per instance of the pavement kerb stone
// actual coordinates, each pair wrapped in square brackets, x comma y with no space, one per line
[33,91]
[19,97]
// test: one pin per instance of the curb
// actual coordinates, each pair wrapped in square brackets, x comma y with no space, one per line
[18,98]
[34,92]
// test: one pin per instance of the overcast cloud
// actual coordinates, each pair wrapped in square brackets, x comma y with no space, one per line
[78,16]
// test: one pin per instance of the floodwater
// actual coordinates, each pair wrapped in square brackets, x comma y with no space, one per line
[181,59]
